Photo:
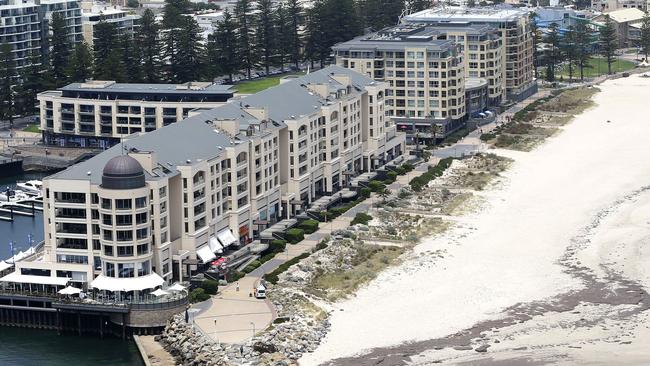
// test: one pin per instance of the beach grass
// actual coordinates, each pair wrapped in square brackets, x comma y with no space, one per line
[257,85]
[32,128]
[369,261]
[597,67]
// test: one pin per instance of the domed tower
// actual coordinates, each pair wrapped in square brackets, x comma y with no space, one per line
[125,221]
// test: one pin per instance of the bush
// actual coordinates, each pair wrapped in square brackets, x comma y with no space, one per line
[252,266]
[272,277]
[277,245]
[210,287]
[392,176]
[376,185]
[407,167]
[295,235]
[488,136]
[365,192]
[235,276]
[418,183]
[361,218]
[198,295]
[309,226]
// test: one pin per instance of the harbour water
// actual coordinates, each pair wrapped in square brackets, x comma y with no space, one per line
[22,347]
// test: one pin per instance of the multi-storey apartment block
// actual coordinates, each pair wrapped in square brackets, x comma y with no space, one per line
[99,113]
[94,13]
[516,38]
[20,27]
[163,203]
[71,12]
[424,71]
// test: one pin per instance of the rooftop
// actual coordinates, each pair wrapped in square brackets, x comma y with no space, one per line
[626,15]
[460,14]
[100,85]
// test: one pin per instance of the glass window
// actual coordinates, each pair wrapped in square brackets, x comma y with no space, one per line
[124,204]
[109,269]
[126,270]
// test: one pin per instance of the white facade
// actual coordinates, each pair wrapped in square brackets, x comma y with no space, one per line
[124,20]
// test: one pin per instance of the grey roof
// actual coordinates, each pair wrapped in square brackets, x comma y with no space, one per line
[196,138]
[461,14]
[150,88]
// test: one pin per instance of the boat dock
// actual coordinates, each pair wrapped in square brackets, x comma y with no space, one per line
[27,207]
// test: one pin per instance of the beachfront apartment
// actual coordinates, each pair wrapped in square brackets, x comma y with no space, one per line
[424,72]
[125,20]
[71,12]
[162,204]
[98,113]
[517,68]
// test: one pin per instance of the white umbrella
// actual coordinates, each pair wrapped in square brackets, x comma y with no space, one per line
[160,292]
[70,291]
[177,287]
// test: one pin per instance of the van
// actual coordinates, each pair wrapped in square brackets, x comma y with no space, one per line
[260,292]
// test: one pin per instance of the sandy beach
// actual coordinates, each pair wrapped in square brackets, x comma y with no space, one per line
[554,268]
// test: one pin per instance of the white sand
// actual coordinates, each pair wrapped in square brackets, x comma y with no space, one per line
[510,253]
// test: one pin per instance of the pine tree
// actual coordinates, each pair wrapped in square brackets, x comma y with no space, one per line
[283,35]
[132,58]
[536,38]
[148,40]
[81,63]
[316,47]
[382,13]
[107,53]
[225,46]
[266,33]
[340,22]
[172,13]
[644,41]
[568,50]
[7,79]
[296,21]
[187,66]
[419,5]
[553,56]
[608,42]
[583,47]
[30,85]
[247,48]
[59,49]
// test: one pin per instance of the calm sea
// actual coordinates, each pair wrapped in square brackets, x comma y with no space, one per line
[29,347]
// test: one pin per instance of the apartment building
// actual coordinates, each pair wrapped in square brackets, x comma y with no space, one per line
[162,203]
[93,13]
[99,113]
[20,27]
[71,12]
[611,5]
[424,72]
[516,37]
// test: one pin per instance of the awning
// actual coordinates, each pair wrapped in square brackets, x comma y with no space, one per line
[16,277]
[176,287]
[160,292]
[70,291]
[127,284]
[214,245]
[226,238]
[4,265]
[205,254]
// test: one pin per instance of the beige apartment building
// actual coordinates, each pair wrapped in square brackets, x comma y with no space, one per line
[162,204]
[512,23]
[99,113]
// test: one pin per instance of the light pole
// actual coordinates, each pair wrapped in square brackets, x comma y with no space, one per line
[253,325]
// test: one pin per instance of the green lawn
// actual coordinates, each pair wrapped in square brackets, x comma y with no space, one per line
[32,128]
[254,86]
[598,67]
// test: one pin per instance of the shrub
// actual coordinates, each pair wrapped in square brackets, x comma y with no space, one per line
[272,277]
[309,226]
[392,176]
[235,276]
[488,136]
[407,167]
[365,192]
[210,287]
[252,266]
[418,183]
[277,245]
[295,235]
[198,295]
[376,185]
[361,218]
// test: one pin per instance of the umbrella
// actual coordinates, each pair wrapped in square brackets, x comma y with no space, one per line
[70,291]
[160,292]
[176,287]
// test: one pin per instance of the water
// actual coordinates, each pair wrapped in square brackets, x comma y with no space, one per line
[21,347]
[18,230]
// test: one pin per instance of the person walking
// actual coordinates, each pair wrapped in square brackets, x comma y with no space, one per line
[237,288]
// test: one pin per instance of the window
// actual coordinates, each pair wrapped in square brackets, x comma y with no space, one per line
[141,218]
[124,204]
[123,220]
[106,203]
[66,258]
[143,249]
[141,202]
[108,250]
[110,269]
[142,233]
[144,268]
[122,235]
[125,270]
[108,235]
[126,251]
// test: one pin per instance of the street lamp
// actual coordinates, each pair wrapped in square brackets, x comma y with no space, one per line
[253,325]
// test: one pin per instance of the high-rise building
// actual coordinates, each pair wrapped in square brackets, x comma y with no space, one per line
[125,21]
[99,113]
[20,27]
[516,37]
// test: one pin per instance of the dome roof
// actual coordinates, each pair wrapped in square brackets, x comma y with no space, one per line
[123,172]
[122,165]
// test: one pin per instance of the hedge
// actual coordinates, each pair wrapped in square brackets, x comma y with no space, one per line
[198,295]
[295,235]
[210,287]
[376,185]
[273,276]
[277,245]
[418,183]
[309,226]
[365,192]
[391,177]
